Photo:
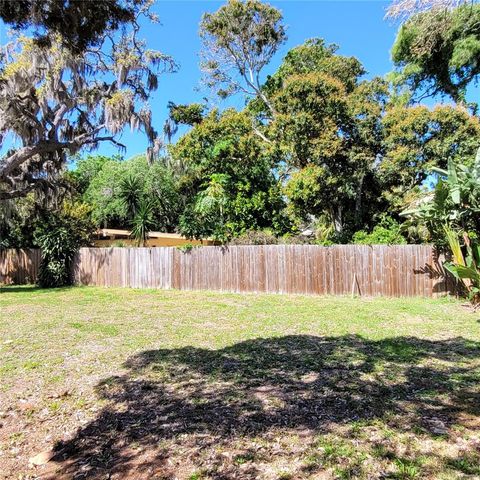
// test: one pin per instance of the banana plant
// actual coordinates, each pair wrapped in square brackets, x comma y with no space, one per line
[455,201]
[465,268]
[451,212]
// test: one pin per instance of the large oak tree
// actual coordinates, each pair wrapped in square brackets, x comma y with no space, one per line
[55,101]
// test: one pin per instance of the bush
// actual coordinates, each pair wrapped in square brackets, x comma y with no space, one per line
[59,235]
[387,232]
[257,237]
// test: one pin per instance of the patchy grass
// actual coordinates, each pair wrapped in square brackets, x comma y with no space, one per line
[142,384]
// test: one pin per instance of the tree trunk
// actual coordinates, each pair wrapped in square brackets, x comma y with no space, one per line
[337,219]
[358,200]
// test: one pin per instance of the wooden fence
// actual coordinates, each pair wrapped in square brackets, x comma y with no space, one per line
[406,270]
[19,267]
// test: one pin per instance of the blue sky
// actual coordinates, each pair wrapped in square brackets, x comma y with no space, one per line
[358,27]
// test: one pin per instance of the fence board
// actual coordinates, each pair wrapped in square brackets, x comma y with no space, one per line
[19,267]
[403,270]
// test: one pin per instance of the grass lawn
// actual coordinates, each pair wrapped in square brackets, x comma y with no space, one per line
[142,384]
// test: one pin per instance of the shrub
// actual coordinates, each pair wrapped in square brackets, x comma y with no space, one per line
[255,237]
[119,244]
[387,232]
[187,248]
[59,235]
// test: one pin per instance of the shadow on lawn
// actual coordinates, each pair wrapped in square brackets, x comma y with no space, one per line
[31,288]
[190,400]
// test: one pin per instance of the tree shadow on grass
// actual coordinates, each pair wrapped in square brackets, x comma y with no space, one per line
[210,410]
[32,289]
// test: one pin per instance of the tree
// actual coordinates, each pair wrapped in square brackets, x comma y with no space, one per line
[328,132]
[403,9]
[131,189]
[229,183]
[58,102]
[17,219]
[417,139]
[436,52]
[59,234]
[85,170]
[109,195]
[77,23]
[240,39]
[143,222]
[211,203]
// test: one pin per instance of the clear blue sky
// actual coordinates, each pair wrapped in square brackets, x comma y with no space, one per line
[358,27]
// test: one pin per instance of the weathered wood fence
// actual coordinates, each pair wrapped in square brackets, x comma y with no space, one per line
[19,267]
[406,270]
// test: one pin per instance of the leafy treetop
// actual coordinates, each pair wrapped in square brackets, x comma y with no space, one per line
[58,102]
[437,51]
[77,24]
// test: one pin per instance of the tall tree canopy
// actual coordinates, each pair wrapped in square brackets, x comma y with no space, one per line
[57,102]
[77,24]
[418,138]
[229,180]
[239,40]
[327,126]
[437,51]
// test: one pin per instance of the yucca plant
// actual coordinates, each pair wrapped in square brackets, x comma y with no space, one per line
[131,195]
[143,223]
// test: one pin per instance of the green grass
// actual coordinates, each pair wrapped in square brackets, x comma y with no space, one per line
[250,386]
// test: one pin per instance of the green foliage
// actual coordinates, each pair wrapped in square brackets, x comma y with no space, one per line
[78,23]
[437,51]
[256,237]
[86,169]
[143,222]
[386,232]
[406,469]
[187,248]
[416,139]
[119,244]
[324,231]
[455,202]
[466,269]
[117,189]
[451,212]
[351,152]
[338,148]
[186,114]
[131,195]
[59,235]
[182,115]
[327,128]
[16,222]
[229,182]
